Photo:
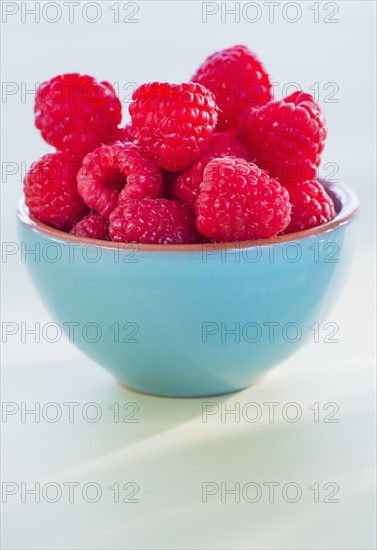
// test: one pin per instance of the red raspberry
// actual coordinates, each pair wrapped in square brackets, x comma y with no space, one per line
[311,206]
[173,122]
[117,172]
[238,80]
[152,221]
[51,190]
[187,185]
[92,226]
[238,201]
[76,113]
[286,137]
[126,134]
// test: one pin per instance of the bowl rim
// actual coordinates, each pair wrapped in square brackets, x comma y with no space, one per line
[341,194]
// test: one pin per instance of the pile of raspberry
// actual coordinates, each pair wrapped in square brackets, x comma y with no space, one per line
[215,159]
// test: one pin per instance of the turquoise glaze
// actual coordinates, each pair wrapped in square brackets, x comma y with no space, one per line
[190,320]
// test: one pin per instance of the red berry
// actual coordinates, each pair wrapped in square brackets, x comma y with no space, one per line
[238,201]
[311,206]
[117,172]
[76,113]
[92,226]
[187,185]
[126,133]
[51,190]
[238,80]
[286,137]
[173,122]
[152,221]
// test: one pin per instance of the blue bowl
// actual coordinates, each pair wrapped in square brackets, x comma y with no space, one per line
[190,320]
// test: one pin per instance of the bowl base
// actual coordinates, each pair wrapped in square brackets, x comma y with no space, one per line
[171,396]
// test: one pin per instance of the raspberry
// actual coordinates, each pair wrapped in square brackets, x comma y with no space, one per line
[51,190]
[117,172]
[187,185]
[173,122]
[286,137]
[238,80]
[311,206]
[75,113]
[152,221]
[238,201]
[126,133]
[92,226]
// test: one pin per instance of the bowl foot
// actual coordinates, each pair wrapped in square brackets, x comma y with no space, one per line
[171,396]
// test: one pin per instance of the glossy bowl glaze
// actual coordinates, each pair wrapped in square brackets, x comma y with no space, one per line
[190,320]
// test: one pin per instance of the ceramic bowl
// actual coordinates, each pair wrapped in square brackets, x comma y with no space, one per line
[190,320]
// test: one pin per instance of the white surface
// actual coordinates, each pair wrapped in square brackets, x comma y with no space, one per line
[170,452]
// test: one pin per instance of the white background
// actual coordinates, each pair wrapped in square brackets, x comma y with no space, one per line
[170,452]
